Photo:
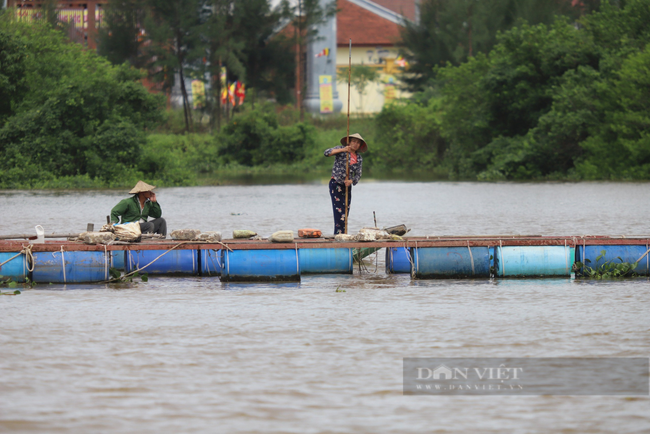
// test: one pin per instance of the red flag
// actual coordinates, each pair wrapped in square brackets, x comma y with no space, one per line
[240,92]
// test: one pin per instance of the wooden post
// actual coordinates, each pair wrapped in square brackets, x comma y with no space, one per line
[347,140]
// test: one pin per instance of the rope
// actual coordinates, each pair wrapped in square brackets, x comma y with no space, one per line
[297,260]
[63,265]
[417,258]
[471,257]
[503,265]
[408,255]
[217,257]
[145,266]
[642,256]
[219,242]
[105,262]
[27,251]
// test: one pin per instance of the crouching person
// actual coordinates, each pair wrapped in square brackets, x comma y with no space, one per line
[138,208]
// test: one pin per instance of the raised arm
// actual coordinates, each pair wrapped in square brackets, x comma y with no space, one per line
[336,150]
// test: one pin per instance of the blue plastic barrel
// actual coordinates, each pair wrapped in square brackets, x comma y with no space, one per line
[70,267]
[279,265]
[210,262]
[629,254]
[117,259]
[533,261]
[325,261]
[173,262]
[398,260]
[450,262]
[16,269]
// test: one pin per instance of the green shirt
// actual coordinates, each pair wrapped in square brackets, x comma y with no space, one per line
[129,210]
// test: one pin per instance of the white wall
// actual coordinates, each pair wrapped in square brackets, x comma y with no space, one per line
[374,97]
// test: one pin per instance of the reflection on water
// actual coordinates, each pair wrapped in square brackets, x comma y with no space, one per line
[196,355]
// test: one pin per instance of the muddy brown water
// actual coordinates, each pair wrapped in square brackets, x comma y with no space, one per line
[195,355]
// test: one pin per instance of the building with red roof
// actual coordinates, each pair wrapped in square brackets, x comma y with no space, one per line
[375,30]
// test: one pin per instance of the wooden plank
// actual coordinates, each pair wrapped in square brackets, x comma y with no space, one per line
[319,243]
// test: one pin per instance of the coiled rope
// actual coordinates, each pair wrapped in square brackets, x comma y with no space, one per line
[27,251]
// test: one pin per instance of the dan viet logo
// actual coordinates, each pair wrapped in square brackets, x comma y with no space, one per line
[526,376]
[443,372]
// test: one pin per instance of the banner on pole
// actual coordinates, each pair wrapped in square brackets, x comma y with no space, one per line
[325,91]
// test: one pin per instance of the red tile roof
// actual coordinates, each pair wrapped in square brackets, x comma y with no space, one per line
[364,27]
[402,7]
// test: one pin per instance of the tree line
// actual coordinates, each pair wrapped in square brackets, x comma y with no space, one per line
[564,100]
[197,38]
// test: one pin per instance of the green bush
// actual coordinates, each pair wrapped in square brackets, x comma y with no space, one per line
[256,138]
[80,116]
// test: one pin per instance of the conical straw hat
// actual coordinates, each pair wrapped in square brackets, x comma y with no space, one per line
[141,187]
[364,145]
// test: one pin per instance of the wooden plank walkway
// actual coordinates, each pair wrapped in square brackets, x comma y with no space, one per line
[325,243]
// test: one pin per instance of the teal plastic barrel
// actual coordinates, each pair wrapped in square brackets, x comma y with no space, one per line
[15,269]
[210,262]
[450,262]
[398,260]
[626,253]
[325,261]
[534,261]
[70,267]
[174,262]
[279,265]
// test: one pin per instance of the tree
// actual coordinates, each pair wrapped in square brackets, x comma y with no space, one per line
[219,49]
[13,84]
[120,38]
[452,31]
[172,28]
[78,116]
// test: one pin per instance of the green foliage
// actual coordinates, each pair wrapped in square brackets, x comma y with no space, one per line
[79,117]
[606,270]
[256,138]
[178,160]
[13,84]
[451,32]
[360,77]
[408,138]
[119,38]
[556,101]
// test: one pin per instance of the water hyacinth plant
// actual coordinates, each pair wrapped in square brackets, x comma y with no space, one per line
[607,270]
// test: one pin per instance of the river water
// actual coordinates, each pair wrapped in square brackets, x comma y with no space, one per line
[194,355]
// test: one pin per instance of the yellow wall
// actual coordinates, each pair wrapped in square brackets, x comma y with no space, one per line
[375,93]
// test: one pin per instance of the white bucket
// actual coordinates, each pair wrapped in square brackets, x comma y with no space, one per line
[40,235]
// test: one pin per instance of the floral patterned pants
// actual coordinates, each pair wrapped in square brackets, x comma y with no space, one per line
[337,192]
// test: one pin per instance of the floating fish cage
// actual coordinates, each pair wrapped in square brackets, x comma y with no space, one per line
[250,261]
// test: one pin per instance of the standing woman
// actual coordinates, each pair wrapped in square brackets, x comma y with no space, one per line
[339,183]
